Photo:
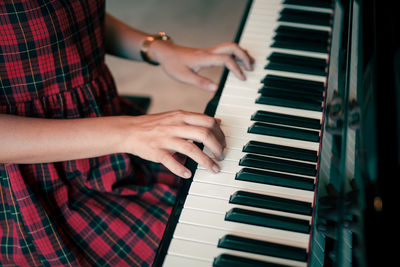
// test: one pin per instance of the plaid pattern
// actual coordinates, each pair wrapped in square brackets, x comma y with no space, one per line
[105,211]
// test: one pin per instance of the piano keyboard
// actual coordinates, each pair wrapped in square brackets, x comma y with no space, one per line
[258,209]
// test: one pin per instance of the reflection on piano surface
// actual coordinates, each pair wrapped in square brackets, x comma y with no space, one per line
[300,175]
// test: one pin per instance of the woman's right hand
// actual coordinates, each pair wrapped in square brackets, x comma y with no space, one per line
[156,137]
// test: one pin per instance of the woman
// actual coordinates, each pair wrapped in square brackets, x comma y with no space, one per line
[80,182]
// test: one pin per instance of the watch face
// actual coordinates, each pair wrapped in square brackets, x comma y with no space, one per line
[162,36]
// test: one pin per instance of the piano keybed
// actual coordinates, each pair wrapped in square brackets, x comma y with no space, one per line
[259,208]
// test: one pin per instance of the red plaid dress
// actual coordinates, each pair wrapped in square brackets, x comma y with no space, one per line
[105,211]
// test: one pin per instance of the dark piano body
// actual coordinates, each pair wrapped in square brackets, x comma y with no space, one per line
[358,159]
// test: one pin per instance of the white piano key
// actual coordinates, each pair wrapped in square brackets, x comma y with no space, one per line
[265,7]
[270,50]
[231,130]
[232,121]
[237,154]
[253,84]
[222,206]
[183,261]
[253,76]
[246,112]
[207,235]
[203,185]
[250,93]
[232,167]
[239,142]
[270,25]
[257,26]
[233,156]
[239,122]
[217,221]
[310,8]
[229,154]
[207,252]
[242,106]
[210,236]
[229,166]
[241,133]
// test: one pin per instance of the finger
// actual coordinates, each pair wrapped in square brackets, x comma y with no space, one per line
[166,159]
[202,120]
[180,117]
[238,52]
[191,77]
[233,66]
[212,59]
[223,60]
[202,135]
[191,150]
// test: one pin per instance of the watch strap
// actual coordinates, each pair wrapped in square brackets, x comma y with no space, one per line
[146,44]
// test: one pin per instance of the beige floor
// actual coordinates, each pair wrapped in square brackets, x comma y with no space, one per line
[195,23]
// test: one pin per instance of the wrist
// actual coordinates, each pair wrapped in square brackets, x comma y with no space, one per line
[120,130]
[147,51]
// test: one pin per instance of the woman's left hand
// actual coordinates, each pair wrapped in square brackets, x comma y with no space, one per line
[183,63]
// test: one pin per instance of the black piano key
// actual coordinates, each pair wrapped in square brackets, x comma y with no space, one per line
[273,178]
[291,103]
[267,220]
[301,39]
[305,101]
[262,247]
[294,83]
[305,17]
[227,260]
[289,43]
[289,93]
[297,59]
[296,68]
[256,147]
[271,202]
[284,131]
[268,163]
[296,63]
[303,33]
[312,95]
[310,3]
[284,119]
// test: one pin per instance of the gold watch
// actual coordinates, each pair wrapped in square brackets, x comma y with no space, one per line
[146,44]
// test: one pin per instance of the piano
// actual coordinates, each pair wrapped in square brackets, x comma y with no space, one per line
[309,147]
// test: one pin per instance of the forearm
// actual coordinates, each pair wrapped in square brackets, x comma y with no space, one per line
[33,140]
[122,40]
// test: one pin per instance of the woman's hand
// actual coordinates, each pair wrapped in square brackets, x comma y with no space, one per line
[156,137]
[183,63]
[153,137]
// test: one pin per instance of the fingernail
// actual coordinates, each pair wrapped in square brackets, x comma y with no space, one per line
[243,76]
[215,168]
[252,66]
[212,87]
[187,174]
